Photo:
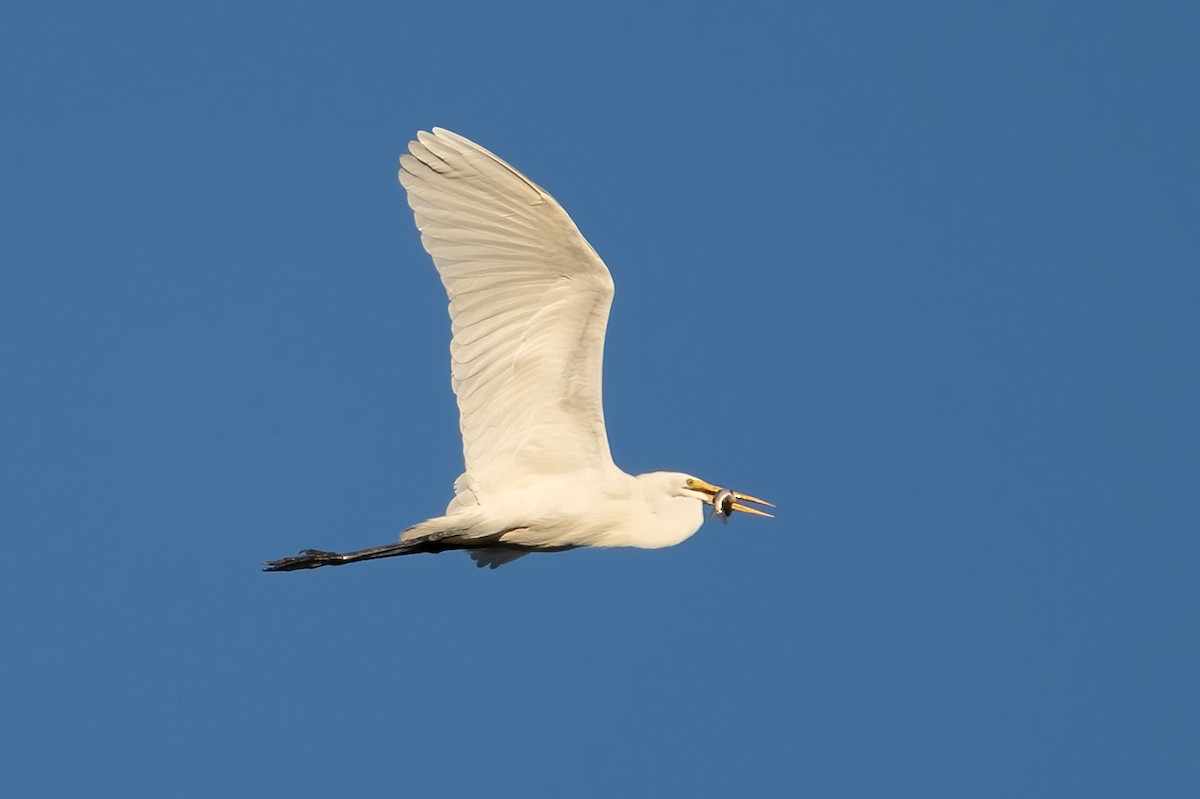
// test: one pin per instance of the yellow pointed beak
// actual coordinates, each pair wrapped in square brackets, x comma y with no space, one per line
[738,499]
[752,511]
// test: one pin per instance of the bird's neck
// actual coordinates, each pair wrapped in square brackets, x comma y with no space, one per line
[673,520]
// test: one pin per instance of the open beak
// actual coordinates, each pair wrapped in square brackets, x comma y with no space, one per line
[738,499]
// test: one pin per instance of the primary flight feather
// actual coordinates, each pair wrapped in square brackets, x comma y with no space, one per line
[529,302]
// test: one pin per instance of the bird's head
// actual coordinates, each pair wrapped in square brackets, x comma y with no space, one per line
[724,501]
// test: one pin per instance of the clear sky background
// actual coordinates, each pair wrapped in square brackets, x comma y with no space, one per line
[923,274]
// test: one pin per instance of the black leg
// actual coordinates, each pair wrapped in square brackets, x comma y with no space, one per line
[315,558]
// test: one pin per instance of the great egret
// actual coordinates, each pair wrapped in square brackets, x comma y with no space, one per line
[529,301]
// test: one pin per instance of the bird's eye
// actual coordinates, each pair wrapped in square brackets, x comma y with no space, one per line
[691,483]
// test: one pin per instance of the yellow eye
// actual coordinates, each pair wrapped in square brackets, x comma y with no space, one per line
[691,482]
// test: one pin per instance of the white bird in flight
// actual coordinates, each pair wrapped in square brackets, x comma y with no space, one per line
[529,301]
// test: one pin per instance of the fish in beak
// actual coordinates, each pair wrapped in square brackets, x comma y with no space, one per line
[725,501]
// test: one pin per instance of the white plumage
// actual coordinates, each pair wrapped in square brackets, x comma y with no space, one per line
[529,302]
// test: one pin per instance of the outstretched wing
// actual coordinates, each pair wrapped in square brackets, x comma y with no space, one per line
[529,301]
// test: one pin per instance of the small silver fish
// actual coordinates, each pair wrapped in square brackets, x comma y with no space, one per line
[722,504]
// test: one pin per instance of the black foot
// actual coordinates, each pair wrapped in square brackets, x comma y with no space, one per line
[307,559]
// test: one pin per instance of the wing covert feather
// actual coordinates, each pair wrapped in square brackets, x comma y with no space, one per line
[529,302]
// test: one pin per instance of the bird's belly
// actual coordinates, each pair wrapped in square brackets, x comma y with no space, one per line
[586,511]
[606,528]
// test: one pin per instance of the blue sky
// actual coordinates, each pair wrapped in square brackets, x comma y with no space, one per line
[942,262]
